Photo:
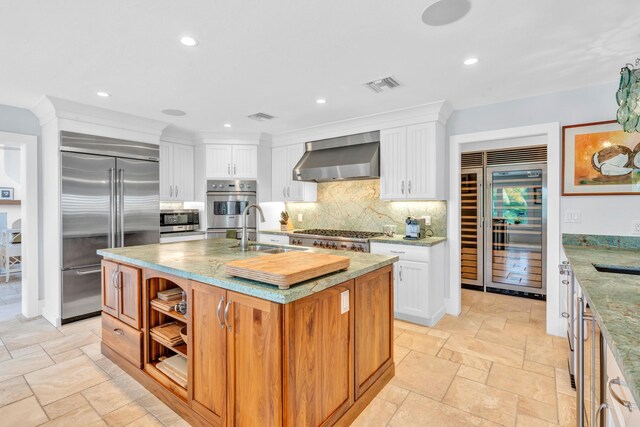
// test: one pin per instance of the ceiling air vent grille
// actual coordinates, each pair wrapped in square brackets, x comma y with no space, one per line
[517,155]
[382,85]
[261,117]
[472,160]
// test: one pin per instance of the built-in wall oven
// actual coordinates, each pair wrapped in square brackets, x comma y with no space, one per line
[226,200]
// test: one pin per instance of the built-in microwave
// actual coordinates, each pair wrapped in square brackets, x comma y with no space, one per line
[179,220]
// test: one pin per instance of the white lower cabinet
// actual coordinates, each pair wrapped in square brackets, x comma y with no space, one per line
[622,409]
[418,281]
[273,238]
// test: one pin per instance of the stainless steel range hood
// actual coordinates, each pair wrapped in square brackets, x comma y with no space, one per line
[345,158]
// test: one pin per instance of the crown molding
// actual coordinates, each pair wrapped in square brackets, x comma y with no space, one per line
[439,111]
[178,135]
[239,138]
[49,108]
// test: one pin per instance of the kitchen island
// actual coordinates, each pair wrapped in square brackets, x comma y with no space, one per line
[314,354]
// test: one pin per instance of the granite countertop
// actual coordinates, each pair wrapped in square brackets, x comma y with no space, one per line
[204,260]
[396,240]
[614,300]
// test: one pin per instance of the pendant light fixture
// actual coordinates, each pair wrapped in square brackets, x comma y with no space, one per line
[628,97]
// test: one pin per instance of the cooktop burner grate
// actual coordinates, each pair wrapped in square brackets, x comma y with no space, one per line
[340,233]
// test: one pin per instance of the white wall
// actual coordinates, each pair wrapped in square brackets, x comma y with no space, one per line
[600,214]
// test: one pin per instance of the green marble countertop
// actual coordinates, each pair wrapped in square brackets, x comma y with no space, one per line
[204,260]
[396,240]
[615,302]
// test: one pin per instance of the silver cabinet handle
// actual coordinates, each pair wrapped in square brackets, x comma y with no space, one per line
[402,187]
[112,208]
[226,314]
[617,381]
[234,169]
[118,332]
[228,168]
[288,191]
[602,406]
[565,282]
[565,314]
[220,312]
[400,273]
[284,191]
[113,279]
[409,187]
[170,190]
[176,191]
[121,197]
[85,272]
[396,252]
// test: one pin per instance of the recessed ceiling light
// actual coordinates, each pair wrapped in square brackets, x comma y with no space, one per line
[103,94]
[172,112]
[227,125]
[470,61]
[321,101]
[444,12]
[189,41]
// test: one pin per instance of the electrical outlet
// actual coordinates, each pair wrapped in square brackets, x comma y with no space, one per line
[344,302]
[299,217]
[572,216]
[636,227]
[427,219]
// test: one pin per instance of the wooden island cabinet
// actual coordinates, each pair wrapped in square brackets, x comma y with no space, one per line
[315,361]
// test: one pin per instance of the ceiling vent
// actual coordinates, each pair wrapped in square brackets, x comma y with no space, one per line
[382,85]
[261,117]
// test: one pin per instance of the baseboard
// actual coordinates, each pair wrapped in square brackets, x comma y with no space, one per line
[51,318]
[425,321]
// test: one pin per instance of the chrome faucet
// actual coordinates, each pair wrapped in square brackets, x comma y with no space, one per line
[243,242]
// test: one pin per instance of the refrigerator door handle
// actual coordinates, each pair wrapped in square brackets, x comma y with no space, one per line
[112,208]
[121,204]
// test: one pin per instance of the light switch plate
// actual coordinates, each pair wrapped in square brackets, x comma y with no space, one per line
[636,227]
[572,216]
[299,217]
[344,302]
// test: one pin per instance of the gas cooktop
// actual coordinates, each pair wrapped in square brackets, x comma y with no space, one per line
[339,233]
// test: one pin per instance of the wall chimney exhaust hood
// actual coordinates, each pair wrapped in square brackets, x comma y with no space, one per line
[344,158]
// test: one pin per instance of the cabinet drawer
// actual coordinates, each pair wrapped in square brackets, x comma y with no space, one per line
[273,238]
[123,339]
[405,252]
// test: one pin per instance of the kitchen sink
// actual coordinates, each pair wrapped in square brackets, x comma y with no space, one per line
[267,249]
[619,269]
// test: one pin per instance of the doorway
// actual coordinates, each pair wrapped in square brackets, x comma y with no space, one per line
[549,134]
[19,272]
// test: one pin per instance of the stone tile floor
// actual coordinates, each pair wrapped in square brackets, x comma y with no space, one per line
[492,366]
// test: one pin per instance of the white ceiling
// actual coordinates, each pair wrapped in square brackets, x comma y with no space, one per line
[278,56]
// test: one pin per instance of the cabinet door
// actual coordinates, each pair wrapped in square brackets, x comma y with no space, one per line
[166,171]
[412,288]
[219,161]
[294,188]
[421,161]
[183,172]
[109,288]
[254,346]
[129,287]
[279,174]
[373,327]
[393,161]
[207,352]
[319,357]
[245,162]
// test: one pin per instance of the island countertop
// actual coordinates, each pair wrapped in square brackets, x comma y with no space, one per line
[614,300]
[204,260]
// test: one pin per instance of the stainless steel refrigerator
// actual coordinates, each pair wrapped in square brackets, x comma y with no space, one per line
[109,198]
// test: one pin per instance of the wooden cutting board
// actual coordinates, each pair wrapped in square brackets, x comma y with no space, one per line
[287,268]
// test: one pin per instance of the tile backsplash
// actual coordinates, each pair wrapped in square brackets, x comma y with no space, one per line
[356,205]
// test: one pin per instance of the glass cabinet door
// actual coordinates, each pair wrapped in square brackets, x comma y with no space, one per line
[515,227]
[471,227]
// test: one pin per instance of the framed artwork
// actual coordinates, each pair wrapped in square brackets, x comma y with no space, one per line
[6,193]
[600,159]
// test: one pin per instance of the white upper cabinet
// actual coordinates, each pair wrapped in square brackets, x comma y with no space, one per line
[283,187]
[412,162]
[176,172]
[232,161]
